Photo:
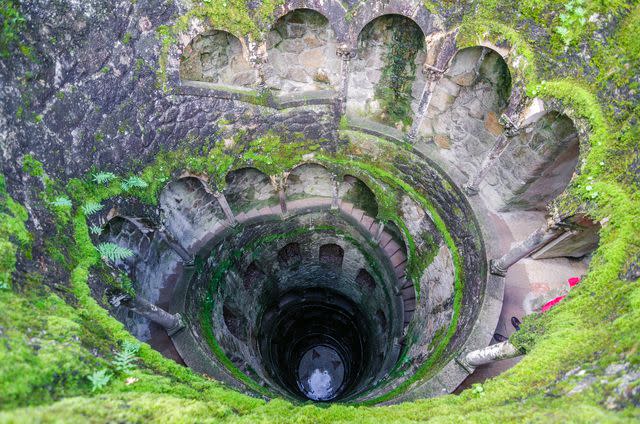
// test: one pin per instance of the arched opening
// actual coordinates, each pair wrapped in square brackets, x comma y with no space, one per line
[217,57]
[249,188]
[354,191]
[290,254]
[386,81]
[309,180]
[539,164]
[463,115]
[301,49]
[331,255]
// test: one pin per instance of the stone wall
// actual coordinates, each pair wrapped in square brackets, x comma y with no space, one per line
[217,57]
[301,50]
[374,47]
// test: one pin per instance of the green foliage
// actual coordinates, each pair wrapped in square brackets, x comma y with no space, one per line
[571,20]
[90,208]
[104,177]
[396,82]
[133,182]
[32,166]
[113,252]
[124,361]
[62,202]
[96,229]
[12,24]
[99,379]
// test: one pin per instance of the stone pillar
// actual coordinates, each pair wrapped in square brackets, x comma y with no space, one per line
[279,183]
[335,200]
[225,207]
[378,235]
[535,241]
[257,57]
[434,68]
[476,69]
[170,322]
[489,354]
[509,121]
[345,53]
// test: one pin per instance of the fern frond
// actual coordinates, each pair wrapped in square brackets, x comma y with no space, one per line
[90,208]
[124,360]
[62,202]
[133,182]
[95,229]
[113,252]
[104,177]
[99,379]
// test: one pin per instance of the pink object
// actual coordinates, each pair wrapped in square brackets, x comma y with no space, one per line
[573,281]
[552,303]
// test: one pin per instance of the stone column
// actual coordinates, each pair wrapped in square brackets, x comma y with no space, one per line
[434,68]
[170,322]
[509,121]
[483,54]
[378,235]
[257,57]
[335,200]
[345,53]
[279,183]
[535,241]
[225,207]
[489,354]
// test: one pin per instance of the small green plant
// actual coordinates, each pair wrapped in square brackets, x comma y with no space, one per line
[95,229]
[11,24]
[105,69]
[99,379]
[4,285]
[124,361]
[90,208]
[126,39]
[477,389]
[572,20]
[113,252]
[103,177]
[32,166]
[62,202]
[133,182]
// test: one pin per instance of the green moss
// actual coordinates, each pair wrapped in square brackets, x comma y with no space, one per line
[14,236]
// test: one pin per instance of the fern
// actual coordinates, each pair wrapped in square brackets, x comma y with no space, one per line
[95,229]
[133,182]
[124,361]
[90,208]
[113,252]
[104,177]
[99,379]
[62,202]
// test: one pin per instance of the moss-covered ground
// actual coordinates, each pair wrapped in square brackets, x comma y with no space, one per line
[48,345]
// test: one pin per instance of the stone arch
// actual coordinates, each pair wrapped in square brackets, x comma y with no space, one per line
[249,188]
[252,276]
[191,212]
[366,281]
[538,165]
[333,10]
[310,179]
[234,322]
[301,53]
[290,254]
[219,58]
[331,255]
[128,233]
[355,191]
[385,81]
[463,115]
[413,10]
